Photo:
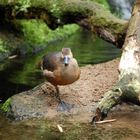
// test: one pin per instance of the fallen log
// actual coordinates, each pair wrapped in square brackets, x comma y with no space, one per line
[127,89]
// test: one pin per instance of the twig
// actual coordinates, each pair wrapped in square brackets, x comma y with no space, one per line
[60,128]
[105,121]
[12,57]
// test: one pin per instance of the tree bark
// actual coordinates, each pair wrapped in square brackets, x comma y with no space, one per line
[87,14]
[127,89]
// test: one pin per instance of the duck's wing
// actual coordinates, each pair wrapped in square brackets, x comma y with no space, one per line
[51,61]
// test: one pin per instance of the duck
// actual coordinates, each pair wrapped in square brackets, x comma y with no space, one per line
[60,68]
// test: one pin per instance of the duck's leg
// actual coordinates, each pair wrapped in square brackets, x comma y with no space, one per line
[62,105]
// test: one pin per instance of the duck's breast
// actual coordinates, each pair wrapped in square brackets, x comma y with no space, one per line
[67,74]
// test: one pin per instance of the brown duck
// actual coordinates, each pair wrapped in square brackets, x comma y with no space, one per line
[60,68]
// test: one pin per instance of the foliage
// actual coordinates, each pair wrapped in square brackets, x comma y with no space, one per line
[22,5]
[5,106]
[103,2]
[4,49]
[63,32]
[2,46]
[55,8]
[34,36]
[36,32]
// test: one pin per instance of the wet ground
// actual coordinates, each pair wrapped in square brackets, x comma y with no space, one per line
[126,127]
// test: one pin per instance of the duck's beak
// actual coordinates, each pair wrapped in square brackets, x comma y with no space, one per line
[66,60]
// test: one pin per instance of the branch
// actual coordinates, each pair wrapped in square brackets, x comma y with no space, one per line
[87,14]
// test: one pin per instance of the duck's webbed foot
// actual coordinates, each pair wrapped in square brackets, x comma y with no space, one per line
[99,116]
[64,106]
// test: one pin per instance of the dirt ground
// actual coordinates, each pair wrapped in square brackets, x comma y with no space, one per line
[94,81]
[85,93]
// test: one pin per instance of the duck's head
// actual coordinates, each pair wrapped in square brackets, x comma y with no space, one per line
[66,55]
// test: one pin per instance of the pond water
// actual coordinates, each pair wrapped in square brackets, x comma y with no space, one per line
[22,74]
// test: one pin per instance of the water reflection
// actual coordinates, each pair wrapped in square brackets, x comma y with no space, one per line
[87,48]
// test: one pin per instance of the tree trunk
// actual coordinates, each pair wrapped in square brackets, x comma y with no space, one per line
[127,89]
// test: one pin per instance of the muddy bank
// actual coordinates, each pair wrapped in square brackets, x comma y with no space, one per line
[84,94]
